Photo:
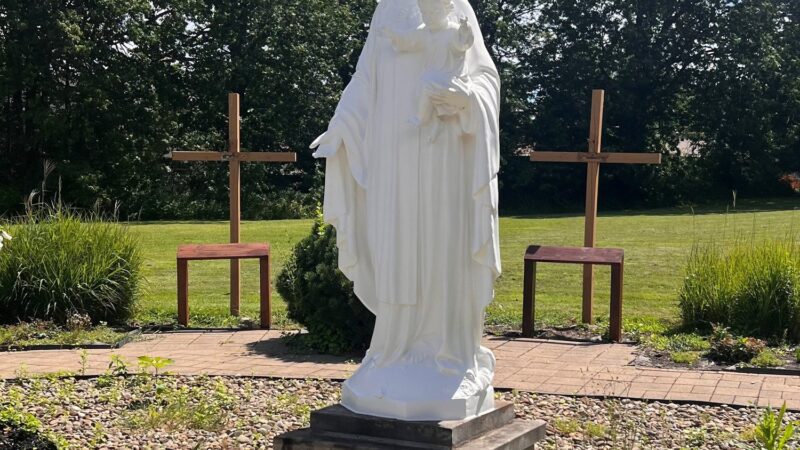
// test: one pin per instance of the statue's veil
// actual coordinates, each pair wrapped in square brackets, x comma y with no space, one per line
[406,12]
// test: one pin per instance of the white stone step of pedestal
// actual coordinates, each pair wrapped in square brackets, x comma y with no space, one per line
[448,434]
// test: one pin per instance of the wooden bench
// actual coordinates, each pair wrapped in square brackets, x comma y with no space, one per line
[194,252]
[571,255]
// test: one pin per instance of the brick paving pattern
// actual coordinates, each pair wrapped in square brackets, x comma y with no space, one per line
[535,365]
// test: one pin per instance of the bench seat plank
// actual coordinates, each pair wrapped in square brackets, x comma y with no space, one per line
[222,251]
[587,255]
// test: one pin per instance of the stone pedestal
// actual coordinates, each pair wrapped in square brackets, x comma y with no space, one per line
[336,427]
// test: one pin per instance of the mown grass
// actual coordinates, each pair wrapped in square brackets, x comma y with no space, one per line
[657,245]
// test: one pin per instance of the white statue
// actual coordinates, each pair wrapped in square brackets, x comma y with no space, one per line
[415,208]
[444,45]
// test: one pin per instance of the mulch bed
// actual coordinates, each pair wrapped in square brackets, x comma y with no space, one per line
[130,336]
[647,357]
[572,333]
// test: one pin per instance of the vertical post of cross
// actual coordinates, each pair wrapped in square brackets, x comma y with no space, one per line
[592,181]
[234,148]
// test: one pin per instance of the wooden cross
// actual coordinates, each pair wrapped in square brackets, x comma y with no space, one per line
[593,158]
[235,157]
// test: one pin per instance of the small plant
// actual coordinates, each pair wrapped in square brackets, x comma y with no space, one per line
[797,354]
[84,355]
[770,432]
[24,429]
[767,358]
[155,362]
[689,358]
[566,426]
[695,437]
[727,348]
[117,366]
[78,322]
[596,430]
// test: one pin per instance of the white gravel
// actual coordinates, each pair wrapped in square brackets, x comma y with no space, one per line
[147,413]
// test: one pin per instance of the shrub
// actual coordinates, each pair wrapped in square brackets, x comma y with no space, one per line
[61,264]
[321,298]
[753,289]
[728,348]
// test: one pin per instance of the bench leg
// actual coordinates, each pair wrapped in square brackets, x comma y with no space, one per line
[266,312]
[615,323]
[183,292]
[587,315]
[529,299]
[235,287]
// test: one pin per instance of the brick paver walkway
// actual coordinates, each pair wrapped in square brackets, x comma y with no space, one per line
[549,367]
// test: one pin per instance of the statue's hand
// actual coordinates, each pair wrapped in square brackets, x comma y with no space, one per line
[465,35]
[453,95]
[391,35]
[327,144]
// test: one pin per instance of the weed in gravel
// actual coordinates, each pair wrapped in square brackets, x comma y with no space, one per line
[623,433]
[566,426]
[165,405]
[771,434]
[596,430]
[695,437]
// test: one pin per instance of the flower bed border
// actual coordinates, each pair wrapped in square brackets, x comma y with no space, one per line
[129,336]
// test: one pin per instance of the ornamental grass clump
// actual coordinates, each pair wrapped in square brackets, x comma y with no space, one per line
[753,288]
[61,263]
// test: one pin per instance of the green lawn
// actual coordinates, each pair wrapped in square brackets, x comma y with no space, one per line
[656,244]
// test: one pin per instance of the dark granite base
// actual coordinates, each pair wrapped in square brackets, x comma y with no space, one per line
[336,427]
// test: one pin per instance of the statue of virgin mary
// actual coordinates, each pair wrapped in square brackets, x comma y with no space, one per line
[416,212]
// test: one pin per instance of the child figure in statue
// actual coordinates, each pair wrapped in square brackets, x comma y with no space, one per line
[444,44]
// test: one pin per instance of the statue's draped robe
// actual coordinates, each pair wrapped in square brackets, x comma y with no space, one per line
[416,221]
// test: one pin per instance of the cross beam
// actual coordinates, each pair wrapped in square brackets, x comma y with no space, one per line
[593,158]
[234,156]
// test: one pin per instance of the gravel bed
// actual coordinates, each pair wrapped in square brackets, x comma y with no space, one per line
[137,412]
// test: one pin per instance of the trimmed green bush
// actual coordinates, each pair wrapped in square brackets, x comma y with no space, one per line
[321,298]
[61,263]
[753,288]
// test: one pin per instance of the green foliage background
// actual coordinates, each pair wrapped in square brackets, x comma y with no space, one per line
[103,89]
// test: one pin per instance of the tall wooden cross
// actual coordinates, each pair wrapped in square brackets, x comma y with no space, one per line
[593,158]
[234,156]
